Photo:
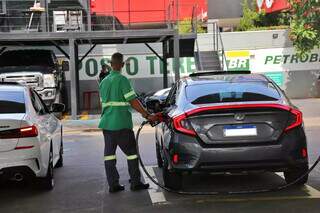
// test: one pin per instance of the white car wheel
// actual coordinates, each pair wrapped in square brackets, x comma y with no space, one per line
[48,181]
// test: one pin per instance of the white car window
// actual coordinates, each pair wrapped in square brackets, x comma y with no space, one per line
[37,105]
[42,104]
[12,102]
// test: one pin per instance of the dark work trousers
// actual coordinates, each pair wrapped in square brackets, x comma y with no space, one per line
[126,141]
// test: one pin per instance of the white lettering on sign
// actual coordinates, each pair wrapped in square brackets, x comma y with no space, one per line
[233,64]
[260,3]
[283,59]
[268,3]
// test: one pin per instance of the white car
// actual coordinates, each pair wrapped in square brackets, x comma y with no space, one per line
[31,142]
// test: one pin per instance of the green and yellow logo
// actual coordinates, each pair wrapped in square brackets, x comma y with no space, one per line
[238,60]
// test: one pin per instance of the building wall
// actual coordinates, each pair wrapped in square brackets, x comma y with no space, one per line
[222,9]
[248,40]
[144,11]
[226,9]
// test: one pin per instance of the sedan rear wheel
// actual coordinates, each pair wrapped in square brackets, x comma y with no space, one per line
[171,179]
[294,173]
[48,181]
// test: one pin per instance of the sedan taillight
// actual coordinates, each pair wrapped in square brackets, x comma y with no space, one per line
[25,132]
[181,124]
[295,119]
[28,132]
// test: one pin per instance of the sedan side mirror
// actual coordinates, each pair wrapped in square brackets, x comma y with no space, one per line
[65,66]
[154,105]
[57,107]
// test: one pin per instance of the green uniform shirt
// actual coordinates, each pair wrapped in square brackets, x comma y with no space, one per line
[116,92]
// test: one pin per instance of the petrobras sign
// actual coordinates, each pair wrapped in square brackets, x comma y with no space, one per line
[272,5]
[284,59]
[272,60]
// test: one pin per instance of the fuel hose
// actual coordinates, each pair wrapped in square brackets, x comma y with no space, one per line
[273,189]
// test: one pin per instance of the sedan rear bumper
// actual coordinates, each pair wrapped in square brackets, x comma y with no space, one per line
[22,161]
[273,156]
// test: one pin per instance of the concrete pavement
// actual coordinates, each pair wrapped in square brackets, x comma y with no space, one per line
[81,185]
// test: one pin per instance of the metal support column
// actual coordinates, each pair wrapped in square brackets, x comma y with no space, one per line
[177,14]
[74,78]
[89,16]
[113,17]
[165,63]
[43,16]
[176,51]
[77,64]
[4,6]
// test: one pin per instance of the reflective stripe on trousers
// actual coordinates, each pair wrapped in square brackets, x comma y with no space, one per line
[132,157]
[110,157]
[113,157]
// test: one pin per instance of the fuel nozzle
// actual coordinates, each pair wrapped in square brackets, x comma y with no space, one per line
[161,118]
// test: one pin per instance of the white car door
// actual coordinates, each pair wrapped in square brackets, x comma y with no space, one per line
[53,126]
[40,120]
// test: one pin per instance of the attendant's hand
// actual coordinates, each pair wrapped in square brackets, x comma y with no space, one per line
[153,118]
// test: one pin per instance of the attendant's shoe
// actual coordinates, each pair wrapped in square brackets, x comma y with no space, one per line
[139,186]
[116,188]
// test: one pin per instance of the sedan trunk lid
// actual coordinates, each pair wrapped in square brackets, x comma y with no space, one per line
[234,124]
[9,123]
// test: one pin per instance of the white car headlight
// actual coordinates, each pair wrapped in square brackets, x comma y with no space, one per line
[48,80]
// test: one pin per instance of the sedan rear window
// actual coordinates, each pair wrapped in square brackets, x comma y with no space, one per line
[232,92]
[12,102]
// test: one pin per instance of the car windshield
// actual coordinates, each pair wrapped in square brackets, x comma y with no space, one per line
[12,102]
[223,92]
[25,58]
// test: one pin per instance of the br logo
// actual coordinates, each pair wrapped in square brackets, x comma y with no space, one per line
[268,3]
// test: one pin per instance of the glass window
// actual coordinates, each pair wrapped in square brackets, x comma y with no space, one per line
[41,103]
[12,102]
[18,16]
[37,105]
[172,96]
[232,92]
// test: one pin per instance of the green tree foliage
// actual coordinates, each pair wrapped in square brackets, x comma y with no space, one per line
[305,25]
[255,20]
[249,18]
[185,26]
